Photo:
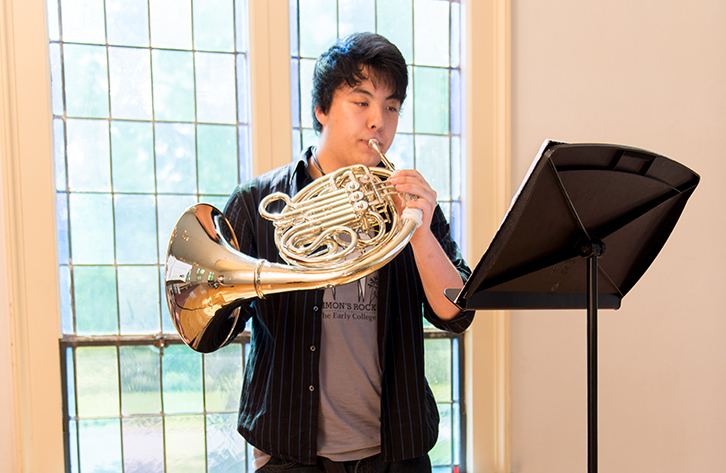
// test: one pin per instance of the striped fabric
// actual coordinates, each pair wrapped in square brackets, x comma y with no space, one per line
[279,403]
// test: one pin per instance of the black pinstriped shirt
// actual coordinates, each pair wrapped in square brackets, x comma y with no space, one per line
[279,403]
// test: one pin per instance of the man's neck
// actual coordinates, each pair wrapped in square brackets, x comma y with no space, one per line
[315,168]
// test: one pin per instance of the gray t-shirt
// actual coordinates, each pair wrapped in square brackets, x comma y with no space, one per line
[349,421]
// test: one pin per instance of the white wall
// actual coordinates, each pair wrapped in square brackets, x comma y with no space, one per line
[650,74]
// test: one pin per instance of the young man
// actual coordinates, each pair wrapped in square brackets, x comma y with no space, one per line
[335,378]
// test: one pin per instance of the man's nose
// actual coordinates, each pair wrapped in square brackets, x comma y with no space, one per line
[375,117]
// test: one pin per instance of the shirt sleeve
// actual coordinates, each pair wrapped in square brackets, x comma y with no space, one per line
[241,211]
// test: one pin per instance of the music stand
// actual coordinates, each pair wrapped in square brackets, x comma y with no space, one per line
[584,226]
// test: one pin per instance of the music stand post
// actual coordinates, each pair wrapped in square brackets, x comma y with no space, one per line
[549,252]
[597,250]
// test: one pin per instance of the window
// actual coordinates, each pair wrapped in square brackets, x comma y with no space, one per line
[428,138]
[150,103]
[150,106]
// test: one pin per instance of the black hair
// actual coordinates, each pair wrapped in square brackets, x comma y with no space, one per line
[345,61]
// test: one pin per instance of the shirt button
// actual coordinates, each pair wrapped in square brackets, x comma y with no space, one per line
[311,388]
[315,308]
[312,348]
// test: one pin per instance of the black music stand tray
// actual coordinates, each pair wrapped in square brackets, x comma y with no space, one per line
[585,225]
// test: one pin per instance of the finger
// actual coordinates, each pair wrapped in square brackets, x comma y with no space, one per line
[418,189]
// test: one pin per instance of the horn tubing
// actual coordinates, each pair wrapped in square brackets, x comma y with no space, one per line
[207,277]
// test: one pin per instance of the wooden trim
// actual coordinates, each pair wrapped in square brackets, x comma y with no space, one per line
[487,74]
[29,218]
[270,117]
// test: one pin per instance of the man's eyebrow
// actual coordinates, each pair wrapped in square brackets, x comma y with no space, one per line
[359,90]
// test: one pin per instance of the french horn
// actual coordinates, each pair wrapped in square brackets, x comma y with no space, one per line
[340,228]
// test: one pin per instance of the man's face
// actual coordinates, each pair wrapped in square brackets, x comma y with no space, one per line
[356,115]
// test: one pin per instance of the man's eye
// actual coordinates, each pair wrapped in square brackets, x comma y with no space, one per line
[393,109]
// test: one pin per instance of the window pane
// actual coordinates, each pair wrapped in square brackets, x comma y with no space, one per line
[138,298]
[405,119]
[241,27]
[310,138]
[91,229]
[431,32]
[243,148]
[456,169]
[456,431]
[395,22]
[431,107]
[130,76]
[97,381]
[83,21]
[173,73]
[433,161]
[127,22]
[73,441]
[457,223]
[171,24]
[140,383]
[218,201]
[61,222]
[243,92]
[89,163]
[70,381]
[306,86]
[167,326]
[356,15]
[225,447]
[295,92]
[59,154]
[182,380]
[100,445]
[143,439]
[184,437]
[217,158]
[86,81]
[214,25]
[318,35]
[56,79]
[438,367]
[215,76]
[132,153]
[455,34]
[95,300]
[175,158]
[64,282]
[53,20]
[401,151]
[135,217]
[294,37]
[170,209]
[456,106]
[223,378]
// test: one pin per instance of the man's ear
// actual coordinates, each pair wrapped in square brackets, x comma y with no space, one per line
[322,118]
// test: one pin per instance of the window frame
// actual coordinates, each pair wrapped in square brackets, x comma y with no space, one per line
[28,212]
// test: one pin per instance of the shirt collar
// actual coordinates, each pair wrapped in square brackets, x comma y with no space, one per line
[300,174]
